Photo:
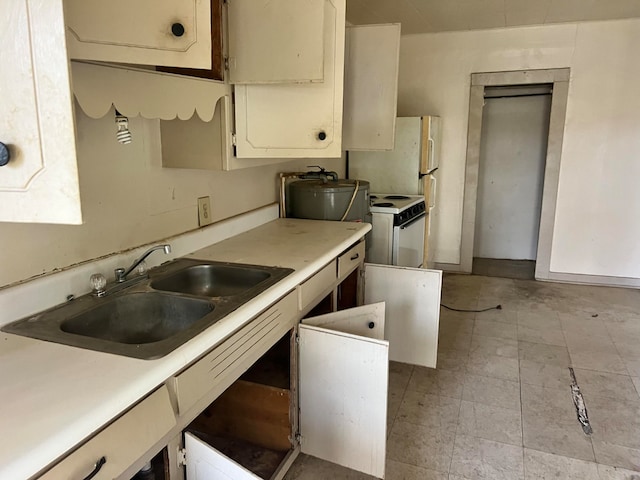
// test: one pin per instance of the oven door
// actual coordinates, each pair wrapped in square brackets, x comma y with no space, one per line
[408,242]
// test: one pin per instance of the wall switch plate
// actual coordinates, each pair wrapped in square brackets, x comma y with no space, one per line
[204,211]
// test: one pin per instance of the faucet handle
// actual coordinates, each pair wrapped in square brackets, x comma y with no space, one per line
[119,273]
[98,284]
[142,268]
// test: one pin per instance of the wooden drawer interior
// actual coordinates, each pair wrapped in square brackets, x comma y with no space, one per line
[348,295]
[251,422]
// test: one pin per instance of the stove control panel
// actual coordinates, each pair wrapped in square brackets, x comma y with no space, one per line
[409,213]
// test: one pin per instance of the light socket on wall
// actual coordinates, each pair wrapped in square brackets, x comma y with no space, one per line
[204,211]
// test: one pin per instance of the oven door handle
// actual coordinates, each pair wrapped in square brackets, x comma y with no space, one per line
[413,220]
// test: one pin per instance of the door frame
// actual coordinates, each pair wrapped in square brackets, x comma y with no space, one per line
[559,77]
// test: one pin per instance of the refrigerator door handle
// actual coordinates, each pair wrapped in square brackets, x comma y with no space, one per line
[431,161]
[421,175]
[432,196]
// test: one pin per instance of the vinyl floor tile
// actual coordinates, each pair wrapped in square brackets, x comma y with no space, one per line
[490,422]
[479,459]
[499,404]
[421,446]
[492,391]
[546,466]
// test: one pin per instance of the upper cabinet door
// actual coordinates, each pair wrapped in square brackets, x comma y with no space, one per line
[278,41]
[412,299]
[39,184]
[302,120]
[372,56]
[343,388]
[150,32]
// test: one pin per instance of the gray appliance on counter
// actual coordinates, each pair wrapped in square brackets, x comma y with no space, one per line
[323,196]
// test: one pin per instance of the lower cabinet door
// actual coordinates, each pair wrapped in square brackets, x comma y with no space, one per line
[412,301]
[206,463]
[343,370]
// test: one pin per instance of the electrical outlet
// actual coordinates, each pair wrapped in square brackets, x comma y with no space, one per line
[204,211]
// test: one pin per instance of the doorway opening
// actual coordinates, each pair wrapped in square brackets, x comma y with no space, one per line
[513,148]
[520,84]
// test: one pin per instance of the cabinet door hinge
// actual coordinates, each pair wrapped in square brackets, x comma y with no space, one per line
[297,342]
[225,62]
[182,457]
[298,438]
[234,140]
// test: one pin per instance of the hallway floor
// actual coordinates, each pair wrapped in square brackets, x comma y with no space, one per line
[499,404]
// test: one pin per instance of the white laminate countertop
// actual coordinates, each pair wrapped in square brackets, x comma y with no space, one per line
[55,396]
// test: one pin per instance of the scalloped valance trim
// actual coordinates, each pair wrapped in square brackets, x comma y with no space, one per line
[150,94]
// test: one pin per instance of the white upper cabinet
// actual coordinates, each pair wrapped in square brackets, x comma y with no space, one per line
[279,41]
[301,120]
[39,184]
[151,32]
[371,86]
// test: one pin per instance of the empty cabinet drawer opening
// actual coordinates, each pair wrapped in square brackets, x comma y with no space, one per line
[246,432]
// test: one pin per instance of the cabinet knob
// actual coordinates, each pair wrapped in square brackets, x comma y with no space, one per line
[371,325]
[5,154]
[322,135]
[177,29]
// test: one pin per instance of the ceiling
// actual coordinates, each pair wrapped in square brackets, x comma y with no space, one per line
[423,16]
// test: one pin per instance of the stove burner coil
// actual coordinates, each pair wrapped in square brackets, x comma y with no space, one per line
[396,197]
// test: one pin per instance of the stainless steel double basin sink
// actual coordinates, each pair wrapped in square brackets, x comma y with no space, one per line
[155,315]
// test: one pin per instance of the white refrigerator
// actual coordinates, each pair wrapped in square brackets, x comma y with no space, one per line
[410,168]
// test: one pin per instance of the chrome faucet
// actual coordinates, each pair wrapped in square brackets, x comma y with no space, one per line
[121,273]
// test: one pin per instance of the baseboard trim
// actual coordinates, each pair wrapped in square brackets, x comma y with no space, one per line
[599,280]
[450,267]
[558,277]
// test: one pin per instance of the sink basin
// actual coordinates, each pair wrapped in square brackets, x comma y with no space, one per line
[140,323]
[153,316]
[212,280]
[138,318]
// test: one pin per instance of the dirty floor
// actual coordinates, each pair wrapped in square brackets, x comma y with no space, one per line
[499,405]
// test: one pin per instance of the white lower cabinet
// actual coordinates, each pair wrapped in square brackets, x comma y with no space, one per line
[329,400]
[205,462]
[412,299]
[109,453]
[336,410]
[344,364]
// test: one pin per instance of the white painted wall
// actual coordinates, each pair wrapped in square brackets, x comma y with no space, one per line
[597,224]
[128,200]
[513,151]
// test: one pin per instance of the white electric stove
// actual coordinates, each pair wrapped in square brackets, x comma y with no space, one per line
[398,229]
